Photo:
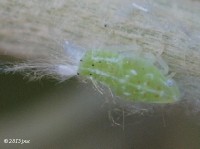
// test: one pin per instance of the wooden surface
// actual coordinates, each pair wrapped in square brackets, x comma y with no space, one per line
[37,28]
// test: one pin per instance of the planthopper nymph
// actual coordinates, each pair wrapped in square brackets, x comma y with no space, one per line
[130,77]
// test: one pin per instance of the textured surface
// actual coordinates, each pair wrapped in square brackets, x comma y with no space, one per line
[35,28]
[72,114]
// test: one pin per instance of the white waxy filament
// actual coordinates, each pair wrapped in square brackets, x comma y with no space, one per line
[67,70]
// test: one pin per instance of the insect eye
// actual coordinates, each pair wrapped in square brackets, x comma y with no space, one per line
[170,83]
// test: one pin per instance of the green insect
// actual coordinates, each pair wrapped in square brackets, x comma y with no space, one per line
[132,78]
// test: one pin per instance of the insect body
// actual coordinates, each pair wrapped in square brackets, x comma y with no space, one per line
[132,78]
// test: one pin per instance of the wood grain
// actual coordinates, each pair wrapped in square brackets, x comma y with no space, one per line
[172,28]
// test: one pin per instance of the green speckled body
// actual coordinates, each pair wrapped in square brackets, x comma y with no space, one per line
[132,78]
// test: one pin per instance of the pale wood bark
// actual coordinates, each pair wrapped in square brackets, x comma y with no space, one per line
[35,28]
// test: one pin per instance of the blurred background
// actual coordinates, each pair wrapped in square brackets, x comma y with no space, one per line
[72,114]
